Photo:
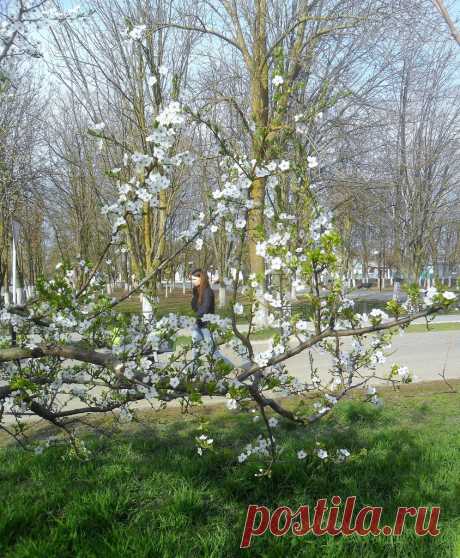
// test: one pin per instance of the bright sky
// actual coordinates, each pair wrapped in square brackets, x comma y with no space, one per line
[453,6]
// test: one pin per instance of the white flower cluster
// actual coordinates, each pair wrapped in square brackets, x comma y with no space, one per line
[97,127]
[377,315]
[195,228]
[232,199]
[320,408]
[232,404]
[432,293]
[312,162]
[403,372]
[7,318]
[136,33]
[321,225]
[346,304]
[275,240]
[259,448]
[19,19]
[377,358]
[343,454]
[273,300]
[301,127]
[50,441]
[262,358]
[59,15]
[172,115]
[148,182]
[238,308]
[204,443]
[223,323]
[302,325]
[237,345]
[372,391]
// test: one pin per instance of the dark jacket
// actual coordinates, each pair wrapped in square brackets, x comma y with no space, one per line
[206,307]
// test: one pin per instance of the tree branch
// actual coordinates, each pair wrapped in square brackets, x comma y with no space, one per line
[454,31]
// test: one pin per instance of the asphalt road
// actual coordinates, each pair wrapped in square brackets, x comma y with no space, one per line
[425,354]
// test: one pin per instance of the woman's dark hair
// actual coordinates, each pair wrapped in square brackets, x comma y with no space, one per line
[204,283]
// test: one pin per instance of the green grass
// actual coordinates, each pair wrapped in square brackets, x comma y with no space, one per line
[441,326]
[146,493]
[267,333]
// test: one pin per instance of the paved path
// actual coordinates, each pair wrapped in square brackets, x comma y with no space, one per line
[425,354]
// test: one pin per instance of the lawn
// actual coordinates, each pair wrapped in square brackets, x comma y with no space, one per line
[180,304]
[146,492]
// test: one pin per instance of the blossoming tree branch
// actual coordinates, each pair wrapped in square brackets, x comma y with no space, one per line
[20,18]
[70,351]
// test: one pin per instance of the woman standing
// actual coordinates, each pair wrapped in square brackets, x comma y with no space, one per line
[203,303]
[202,299]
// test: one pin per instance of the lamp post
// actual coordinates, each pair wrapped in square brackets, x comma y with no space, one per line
[15,230]
[184,272]
[190,273]
[379,274]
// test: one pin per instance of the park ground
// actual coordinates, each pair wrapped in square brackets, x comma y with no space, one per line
[147,493]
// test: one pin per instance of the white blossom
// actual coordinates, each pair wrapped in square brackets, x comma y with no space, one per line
[312,162]
[232,404]
[172,114]
[322,454]
[284,165]
[242,457]
[375,400]
[429,295]
[302,325]
[261,248]
[403,372]
[98,127]
[137,32]
[174,382]
[262,359]
[379,314]
[238,308]
[378,358]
